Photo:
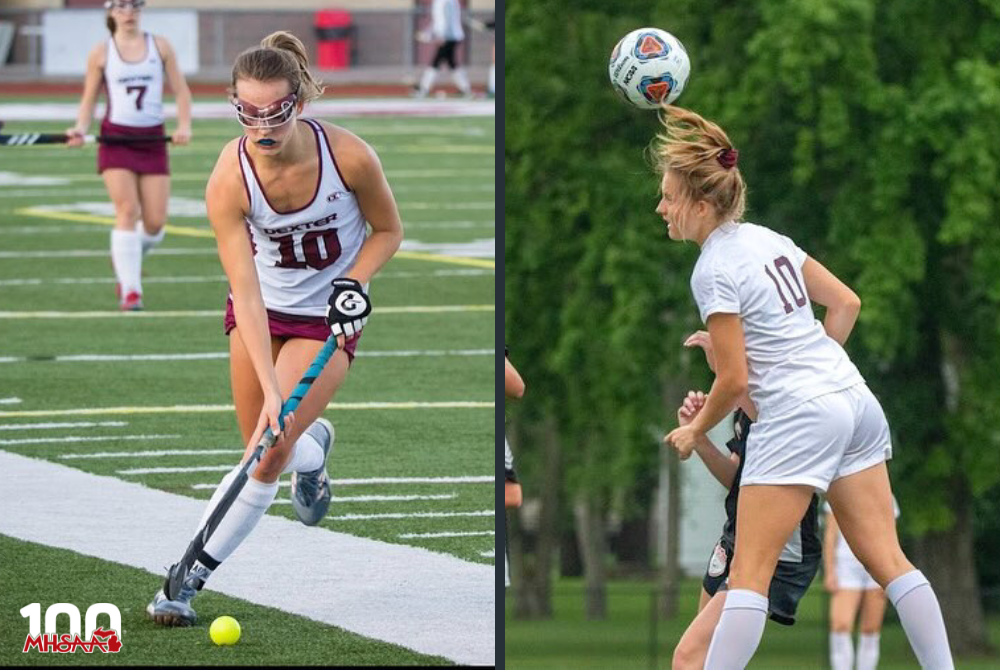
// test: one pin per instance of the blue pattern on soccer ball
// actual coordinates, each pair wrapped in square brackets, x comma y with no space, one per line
[656,89]
[649,46]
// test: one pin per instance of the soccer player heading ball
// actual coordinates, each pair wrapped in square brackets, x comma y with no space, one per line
[819,427]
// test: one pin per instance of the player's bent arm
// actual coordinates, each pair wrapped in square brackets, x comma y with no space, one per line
[721,467]
[363,173]
[513,385]
[178,84]
[511,495]
[730,382]
[91,86]
[842,304]
[226,203]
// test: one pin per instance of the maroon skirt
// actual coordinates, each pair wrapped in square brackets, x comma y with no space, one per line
[290,325]
[140,158]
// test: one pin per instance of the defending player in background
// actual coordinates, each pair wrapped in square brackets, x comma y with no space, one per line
[447,33]
[290,203]
[854,595]
[799,560]
[132,65]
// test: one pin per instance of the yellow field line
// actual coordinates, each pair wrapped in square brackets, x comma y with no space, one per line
[188,231]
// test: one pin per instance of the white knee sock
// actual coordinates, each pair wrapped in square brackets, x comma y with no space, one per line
[241,518]
[868,651]
[150,241]
[307,455]
[738,632]
[491,86]
[126,256]
[461,80]
[841,651]
[920,614]
[427,80]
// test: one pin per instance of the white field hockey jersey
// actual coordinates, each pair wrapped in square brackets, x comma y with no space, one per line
[756,273]
[135,89]
[446,20]
[299,253]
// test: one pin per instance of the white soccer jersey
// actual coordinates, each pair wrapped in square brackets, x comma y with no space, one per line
[135,89]
[446,20]
[756,273]
[299,253]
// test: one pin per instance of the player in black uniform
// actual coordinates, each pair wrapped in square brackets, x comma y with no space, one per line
[799,561]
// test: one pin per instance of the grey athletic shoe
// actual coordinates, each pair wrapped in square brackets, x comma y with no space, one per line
[311,490]
[177,612]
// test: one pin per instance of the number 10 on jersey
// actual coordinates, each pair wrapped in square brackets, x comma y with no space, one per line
[784,268]
[316,249]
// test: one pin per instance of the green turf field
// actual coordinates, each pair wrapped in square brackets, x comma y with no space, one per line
[417,404]
[624,639]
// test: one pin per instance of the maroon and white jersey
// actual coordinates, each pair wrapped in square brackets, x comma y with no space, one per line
[756,273]
[299,253]
[135,88]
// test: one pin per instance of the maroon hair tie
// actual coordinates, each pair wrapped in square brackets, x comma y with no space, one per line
[727,158]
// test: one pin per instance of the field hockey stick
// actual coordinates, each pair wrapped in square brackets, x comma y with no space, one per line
[29,139]
[178,572]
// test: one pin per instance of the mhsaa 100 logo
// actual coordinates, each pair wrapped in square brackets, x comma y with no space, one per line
[105,640]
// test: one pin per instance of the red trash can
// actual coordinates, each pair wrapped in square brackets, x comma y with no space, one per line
[334,32]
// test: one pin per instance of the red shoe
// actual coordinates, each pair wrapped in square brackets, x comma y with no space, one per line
[132,302]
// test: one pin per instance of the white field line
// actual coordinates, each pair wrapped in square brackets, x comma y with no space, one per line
[384,591]
[215,313]
[49,426]
[429,536]
[376,480]
[219,355]
[352,499]
[222,279]
[10,401]
[412,515]
[152,454]
[102,253]
[79,438]
[185,409]
[489,554]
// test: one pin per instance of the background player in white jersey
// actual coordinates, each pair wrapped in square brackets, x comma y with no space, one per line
[853,595]
[448,34]
[306,191]
[513,389]
[131,65]
[818,428]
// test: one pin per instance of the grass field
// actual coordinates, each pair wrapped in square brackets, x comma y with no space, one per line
[145,397]
[624,639]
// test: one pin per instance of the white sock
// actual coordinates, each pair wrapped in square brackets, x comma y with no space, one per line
[868,651]
[150,241]
[241,518]
[491,87]
[738,632]
[307,455]
[920,614]
[841,651]
[427,80]
[126,256]
[220,491]
[461,80]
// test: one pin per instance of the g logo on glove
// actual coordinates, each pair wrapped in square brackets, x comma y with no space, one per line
[348,308]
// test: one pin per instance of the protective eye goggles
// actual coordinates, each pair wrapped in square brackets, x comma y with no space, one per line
[134,5]
[276,114]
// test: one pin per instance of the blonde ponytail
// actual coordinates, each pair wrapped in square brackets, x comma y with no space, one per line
[700,153]
[281,55]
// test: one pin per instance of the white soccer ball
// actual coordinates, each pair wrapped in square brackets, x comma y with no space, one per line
[649,67]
